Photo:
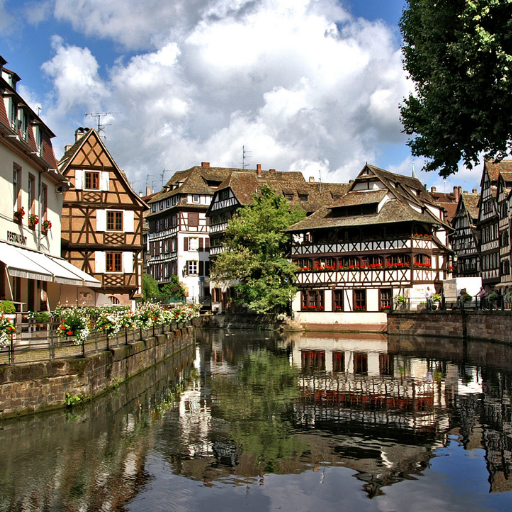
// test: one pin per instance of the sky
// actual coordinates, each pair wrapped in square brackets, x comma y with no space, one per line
[300,85]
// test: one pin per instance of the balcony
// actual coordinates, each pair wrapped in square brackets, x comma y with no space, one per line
[398,244]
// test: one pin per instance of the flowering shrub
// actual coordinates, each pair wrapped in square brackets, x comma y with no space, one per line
[360,308]
[74,322]
[422,265]
[110,324]
[33,219]
[6,330]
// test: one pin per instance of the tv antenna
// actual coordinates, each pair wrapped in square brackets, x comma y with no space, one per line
[162,175]
[244,153]
[99,115]
[320,180]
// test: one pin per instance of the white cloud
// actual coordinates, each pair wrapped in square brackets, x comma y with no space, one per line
[301,83]
[37,11]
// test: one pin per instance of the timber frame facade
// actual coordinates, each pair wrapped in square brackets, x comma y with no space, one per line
[102,219]
[238,191]
[385,238]
[465,238]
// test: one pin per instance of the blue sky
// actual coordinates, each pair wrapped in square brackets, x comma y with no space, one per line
[304,85]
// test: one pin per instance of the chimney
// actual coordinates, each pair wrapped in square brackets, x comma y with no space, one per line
[271,170]
[433,189]
[67,148]
[80,132]
[465,192]
[350,182]
[148,191]
[456,193]
[258,169]
[311,179]
[205,164]
[474,191]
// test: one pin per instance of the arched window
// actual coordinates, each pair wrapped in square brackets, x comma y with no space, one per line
[114,300]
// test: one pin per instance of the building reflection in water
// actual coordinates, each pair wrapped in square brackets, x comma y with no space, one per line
[242,405]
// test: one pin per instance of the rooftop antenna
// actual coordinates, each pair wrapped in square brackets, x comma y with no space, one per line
[320,180]
[99,115]
[244,152]
[162,175]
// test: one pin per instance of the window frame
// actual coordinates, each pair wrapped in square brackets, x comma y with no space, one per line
[114,262]
[95,177]
[115,221]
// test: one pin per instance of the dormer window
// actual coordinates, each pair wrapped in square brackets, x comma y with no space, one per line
[355,210]
[303,197]
[195,198]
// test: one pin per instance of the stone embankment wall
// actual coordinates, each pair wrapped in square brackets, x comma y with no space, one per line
[480,325]
[37,387]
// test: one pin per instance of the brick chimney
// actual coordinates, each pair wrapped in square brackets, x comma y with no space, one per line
[456,193]
[433,189]
[474,191]
[258,169]
[205,164]
[80,132]
[148,191]
[311,179]
[271,170]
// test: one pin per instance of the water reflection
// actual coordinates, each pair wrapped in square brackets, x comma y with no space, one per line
[245,417]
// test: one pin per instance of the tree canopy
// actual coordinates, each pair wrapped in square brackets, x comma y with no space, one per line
[255,255]
[459,55]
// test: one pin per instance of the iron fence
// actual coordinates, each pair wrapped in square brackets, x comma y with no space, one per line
[35,342]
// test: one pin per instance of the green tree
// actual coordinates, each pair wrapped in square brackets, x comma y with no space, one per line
[173,288]
[149,287]
[459,55]
[256,246]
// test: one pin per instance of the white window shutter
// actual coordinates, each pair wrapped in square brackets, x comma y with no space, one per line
[128,221]
[101,220]
[104,178]
[79,179]
[99,262]
[128,262]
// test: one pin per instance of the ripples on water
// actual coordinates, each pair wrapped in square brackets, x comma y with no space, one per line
[252,421]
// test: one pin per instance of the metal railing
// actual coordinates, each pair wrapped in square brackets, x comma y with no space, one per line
[35,342]
[454,304]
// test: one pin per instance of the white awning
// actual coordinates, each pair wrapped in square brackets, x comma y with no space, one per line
[20,265]
[30,264]
[88,280]
[60,274]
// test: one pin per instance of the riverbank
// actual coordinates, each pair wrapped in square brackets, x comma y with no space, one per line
[41,386]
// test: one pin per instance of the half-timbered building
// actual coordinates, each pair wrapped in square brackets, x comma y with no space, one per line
[385,238]
[102,220]
[465,238]
[32,273]
[178,229]
[503,193]
[489,219]
[238,190]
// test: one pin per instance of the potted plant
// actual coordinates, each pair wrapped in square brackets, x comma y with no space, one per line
[19,214]
[7,329]
[33,220]
[400,301]
[46,226]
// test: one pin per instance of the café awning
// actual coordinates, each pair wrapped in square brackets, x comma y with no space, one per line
[87,280]
[20,265]
[21,262]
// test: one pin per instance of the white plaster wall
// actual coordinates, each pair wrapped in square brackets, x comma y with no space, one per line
[367,318]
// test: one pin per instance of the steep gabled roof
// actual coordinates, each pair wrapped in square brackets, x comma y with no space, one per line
[494,168]
[72,153]
[360,197]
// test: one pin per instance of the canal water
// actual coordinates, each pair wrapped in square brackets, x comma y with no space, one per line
[252,421]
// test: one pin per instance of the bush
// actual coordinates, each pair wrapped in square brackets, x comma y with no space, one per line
[7,307]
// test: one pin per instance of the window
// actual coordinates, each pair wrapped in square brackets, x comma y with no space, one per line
[385,299]
[312,360]
[16,187]
[31,194]
[24,124]
[193,244]
[338,361]
[192,268]
[312,300]
[193,219]
[303,197]
[422,261]
[92,180]
[174,244]
[304,264]
[385,364]
[216,295]
[195,198]
[44,202]
[223,194]
[359,300]
[338,300]
[360,363]
[114,261]
[114,220]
